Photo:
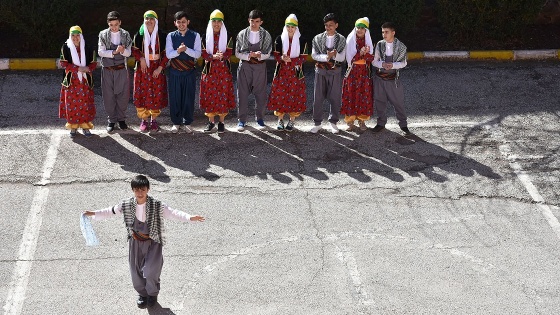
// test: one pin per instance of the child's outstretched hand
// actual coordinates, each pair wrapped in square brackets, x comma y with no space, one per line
[197,218]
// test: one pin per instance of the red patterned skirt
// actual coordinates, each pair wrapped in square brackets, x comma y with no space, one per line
[150,92]
[357,92]
[287,94]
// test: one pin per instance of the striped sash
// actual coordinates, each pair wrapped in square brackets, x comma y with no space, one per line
[182,65]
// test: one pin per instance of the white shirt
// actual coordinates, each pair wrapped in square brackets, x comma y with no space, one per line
[102,51]
[168,213]
[254,37]
[194,52]
[378,63]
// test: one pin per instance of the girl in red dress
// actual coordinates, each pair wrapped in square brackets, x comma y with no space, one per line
[287,94]
[150,86]
[357,86]
[77,104]
[216,83]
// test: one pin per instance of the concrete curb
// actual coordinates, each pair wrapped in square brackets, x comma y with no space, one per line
[54,63]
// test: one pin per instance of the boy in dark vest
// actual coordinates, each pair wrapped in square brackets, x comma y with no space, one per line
[143,218]
[182,47]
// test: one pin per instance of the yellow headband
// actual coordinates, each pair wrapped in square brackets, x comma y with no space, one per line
[75,30]
[150,14]
[362,22]
[217,15]
[291,20]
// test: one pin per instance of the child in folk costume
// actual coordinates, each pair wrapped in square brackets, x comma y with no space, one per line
[287,95]
[390,57]
[114,47]
[329,50]
[216,83]
[76,94]
[182,47]
[357,87]
[253,47]
[143,218]
[150,84]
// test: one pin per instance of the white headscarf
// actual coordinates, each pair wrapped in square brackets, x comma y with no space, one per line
[351,44]
[295,51]
[222,44]
[81,61]
[150,40]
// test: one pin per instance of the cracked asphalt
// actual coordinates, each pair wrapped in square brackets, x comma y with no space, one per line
[460,218]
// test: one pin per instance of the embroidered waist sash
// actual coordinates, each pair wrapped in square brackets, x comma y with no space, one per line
[387,76]
[140,236]
[182,65]
[328,65]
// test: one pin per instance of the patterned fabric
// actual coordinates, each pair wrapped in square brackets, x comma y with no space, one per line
[105,38]
[76,104]
[216,85]
[265,41]
[357,86]
[287,94]
[154,215]
[319,43]
[399,50]
[149,92]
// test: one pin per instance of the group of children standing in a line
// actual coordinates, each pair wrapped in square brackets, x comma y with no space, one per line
[372,74]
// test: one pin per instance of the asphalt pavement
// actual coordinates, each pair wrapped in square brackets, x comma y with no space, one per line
[459,218]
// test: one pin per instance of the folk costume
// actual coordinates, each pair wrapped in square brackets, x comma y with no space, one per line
[182,76]
[146,237]
[251,73]
[357,86]
[77,103]
[216,83]
[287,94]
[328,77]
[150,92]
[386,83]
[114,75]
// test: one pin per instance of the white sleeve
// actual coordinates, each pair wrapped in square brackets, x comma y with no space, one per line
[197,50]
[170,213]
[399,65]
[318,57]
[107,213]
[169,51]
[103,52]
[341,55]
[377,59]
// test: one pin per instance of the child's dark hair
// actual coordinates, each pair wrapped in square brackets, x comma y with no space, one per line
[113,16]
[330,17]
[140,181]
[181,14]
[388,25]
[255,14]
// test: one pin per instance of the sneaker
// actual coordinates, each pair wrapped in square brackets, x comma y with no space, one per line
[175,128]
[290,125]
[280,125]
[241,126]
[351,126]
[221,127]
[260,124]
[154,126]
[123,125]
[315,129]
[142,301]
[406,131]
[86,132]
[378,128]
[110,127]
[188,129]
[152,300]
[143,126]
[334,128]
[73,133]
[362,125]
[209,126]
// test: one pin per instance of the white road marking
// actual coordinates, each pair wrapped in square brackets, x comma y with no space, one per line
[20,277]
[525,179]
[346,256]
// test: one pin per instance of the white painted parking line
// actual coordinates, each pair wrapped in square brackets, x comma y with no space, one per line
[20,277]
[525,179]
[346,257]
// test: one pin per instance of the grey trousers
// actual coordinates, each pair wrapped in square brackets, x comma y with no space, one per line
[387,90]
[116,93]
[251,78]
[328,86]
[145,259]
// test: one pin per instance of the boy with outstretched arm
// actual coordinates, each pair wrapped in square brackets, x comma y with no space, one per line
[143,218]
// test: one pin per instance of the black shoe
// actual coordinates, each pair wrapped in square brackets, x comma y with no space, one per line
[290,125]
[142,301]
[406,131]
[110,127]
[280,125]
[209,127]
[378,128]
[122,125]
[221,127]
[152,300]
